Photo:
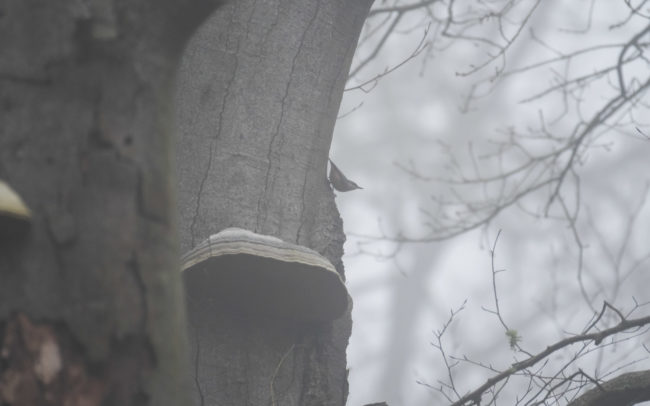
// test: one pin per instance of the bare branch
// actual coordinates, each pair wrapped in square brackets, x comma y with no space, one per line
[474,397]
[401,9]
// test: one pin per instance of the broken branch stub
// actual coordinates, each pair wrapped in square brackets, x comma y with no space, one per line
[262,275]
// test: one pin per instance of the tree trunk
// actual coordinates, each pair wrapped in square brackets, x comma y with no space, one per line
[90,297]
[259,92]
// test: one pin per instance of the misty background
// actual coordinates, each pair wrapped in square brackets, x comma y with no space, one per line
[424,141]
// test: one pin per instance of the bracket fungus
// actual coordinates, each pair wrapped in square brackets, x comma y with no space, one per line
[263,275]
[14,215]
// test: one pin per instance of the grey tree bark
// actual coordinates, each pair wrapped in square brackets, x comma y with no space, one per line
[625,390]
[90,298]
[259,91]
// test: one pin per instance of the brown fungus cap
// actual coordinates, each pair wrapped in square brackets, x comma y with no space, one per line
[254,274]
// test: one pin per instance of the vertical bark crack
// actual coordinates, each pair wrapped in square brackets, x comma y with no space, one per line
[213,140]
[261,209]
[197,381]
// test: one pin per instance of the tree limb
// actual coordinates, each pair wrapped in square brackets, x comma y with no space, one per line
[475,396]
[624,390]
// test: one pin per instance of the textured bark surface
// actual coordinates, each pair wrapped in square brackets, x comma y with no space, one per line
[259,92]
[90,309]
[625,390]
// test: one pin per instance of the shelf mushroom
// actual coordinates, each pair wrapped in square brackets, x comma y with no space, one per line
[15,217]
[262,275]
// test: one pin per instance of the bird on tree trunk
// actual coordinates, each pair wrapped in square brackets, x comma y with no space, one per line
[339,181]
